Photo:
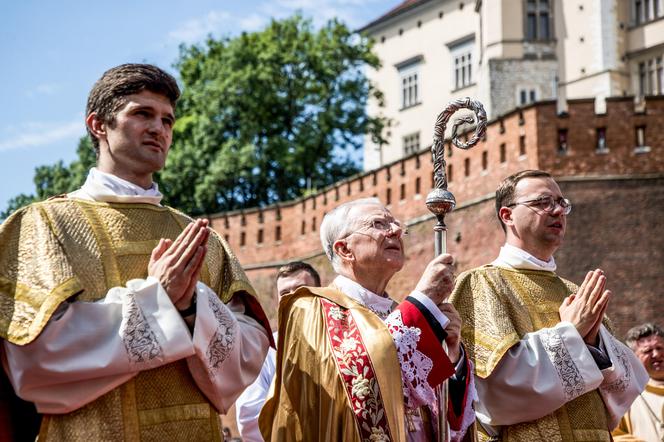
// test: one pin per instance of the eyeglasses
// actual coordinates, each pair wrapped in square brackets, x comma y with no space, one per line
[383,225]
[547,204]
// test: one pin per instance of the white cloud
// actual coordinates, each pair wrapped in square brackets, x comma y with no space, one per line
[35,134]
[218,22]
[253,22]
[195,30]
[44,89]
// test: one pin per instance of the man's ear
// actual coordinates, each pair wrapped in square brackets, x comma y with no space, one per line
[96,126]
[341,249]
[505,214]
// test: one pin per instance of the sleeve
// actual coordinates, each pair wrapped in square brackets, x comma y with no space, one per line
[549,367]
[230,347]
[89,348]
[418,337]
[623,380]
[248,405]
[462,394]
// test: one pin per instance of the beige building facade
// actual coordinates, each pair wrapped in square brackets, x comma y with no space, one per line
[507,54]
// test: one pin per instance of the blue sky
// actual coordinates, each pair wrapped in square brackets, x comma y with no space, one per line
[53,51]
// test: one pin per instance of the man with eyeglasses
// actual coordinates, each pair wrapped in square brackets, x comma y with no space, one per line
[352,364]
[546,368]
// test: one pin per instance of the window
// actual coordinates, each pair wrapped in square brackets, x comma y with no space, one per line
[526,96]
[418,183]
[641,146]
[466,167]
[562,141]
[461,54]
[644,11]
[388,196]
[600,145]
[522,145]
[243,238]
[411,144]
[449,173]
[402,192]
[259,238]
[503,153]
[277,233]
[485,160]
[538,20]
[651,76]
[313,224]
[303,228]
[410,81]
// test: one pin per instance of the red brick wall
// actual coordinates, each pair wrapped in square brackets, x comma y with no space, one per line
[617,222]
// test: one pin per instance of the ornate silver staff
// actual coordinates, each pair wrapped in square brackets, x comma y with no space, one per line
[441,201]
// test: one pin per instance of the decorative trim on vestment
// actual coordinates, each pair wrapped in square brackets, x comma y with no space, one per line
[415,365]
[224,337]
[573,383]
[620,384]
[357,373]
[137,336]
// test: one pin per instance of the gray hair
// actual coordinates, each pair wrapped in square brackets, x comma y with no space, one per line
[642,331]
[336,225]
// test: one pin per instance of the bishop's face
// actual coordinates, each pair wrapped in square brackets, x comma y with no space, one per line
[376,241]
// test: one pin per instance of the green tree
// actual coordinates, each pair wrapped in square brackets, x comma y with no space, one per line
[263,117]
[266,114]
[57,178]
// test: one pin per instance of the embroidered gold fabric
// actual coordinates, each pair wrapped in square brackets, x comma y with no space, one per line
[308,401]
[500,306]
[74,249]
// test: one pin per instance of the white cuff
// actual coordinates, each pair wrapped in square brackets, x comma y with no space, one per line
[433,308]
[579,355]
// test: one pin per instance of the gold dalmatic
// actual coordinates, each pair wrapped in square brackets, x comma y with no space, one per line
[75,250]
[499,307]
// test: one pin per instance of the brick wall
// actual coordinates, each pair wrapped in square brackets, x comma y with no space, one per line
[617,222]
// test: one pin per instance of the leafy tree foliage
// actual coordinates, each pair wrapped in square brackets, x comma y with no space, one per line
[57,178]
[265,114]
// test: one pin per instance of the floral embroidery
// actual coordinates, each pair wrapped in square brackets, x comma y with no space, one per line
[573,383]
[224,337]
[357,373]
[621,384]
[378,435]
[415,365]
[137,336]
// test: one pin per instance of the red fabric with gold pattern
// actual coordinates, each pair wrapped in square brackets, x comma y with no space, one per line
[357,373]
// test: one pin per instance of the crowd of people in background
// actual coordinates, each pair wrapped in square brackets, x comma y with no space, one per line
[123,319]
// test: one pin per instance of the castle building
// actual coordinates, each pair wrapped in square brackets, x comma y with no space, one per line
[507,54]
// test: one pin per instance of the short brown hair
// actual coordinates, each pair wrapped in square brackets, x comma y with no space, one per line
[642,331]
[296,267]
[108,93]
[505,192]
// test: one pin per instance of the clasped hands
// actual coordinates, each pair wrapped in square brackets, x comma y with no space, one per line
[177,264]
[437,282]
[585,309]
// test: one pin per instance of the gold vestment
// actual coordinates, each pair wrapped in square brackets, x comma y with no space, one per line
[76,250]
[308,400]
[498,307]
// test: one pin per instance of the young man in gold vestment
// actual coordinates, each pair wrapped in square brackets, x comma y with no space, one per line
[546,368]
[352,364]
[123,319]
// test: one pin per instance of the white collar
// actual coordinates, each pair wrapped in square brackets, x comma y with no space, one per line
[101,186]
[513,257]
[381,305]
